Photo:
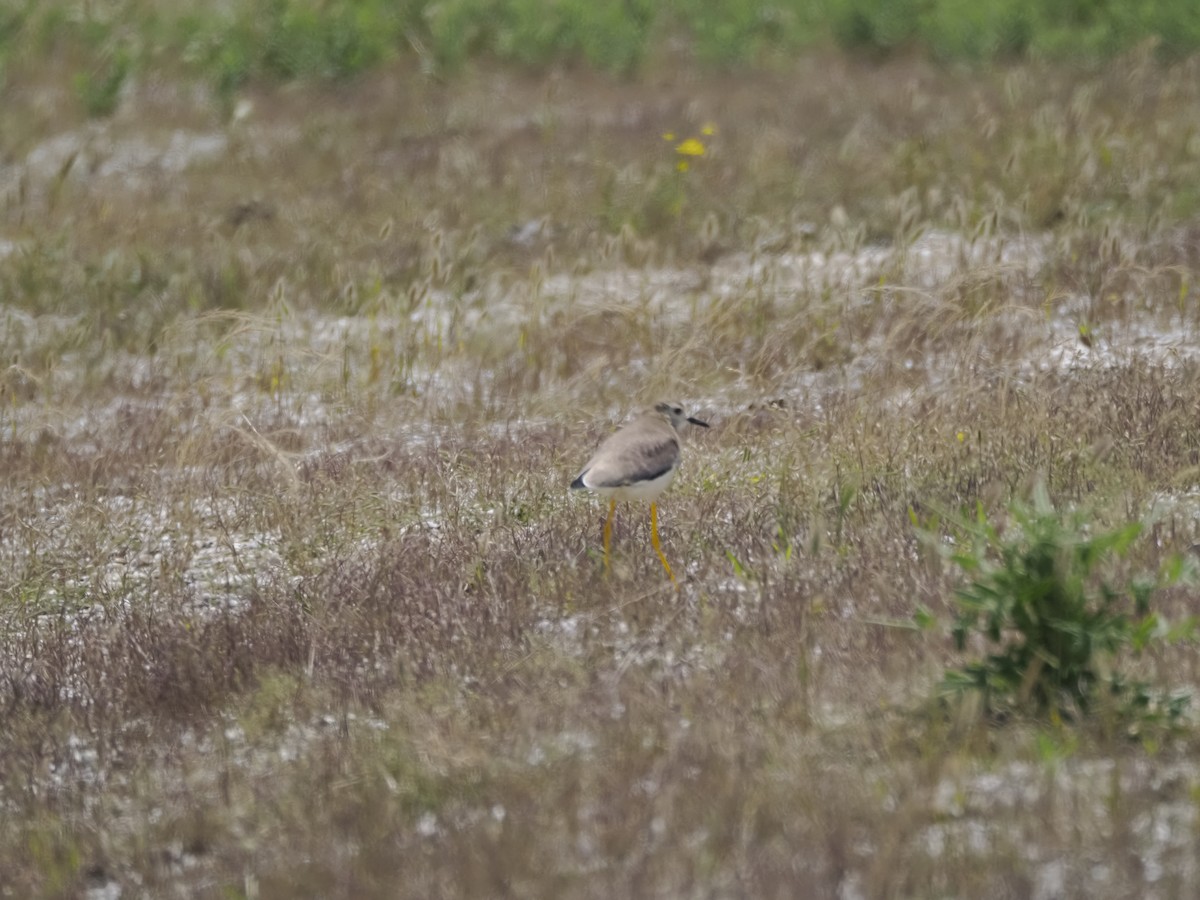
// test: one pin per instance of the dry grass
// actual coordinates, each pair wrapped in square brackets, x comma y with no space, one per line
[293,601]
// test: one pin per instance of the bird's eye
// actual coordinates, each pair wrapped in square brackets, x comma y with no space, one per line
[678,411]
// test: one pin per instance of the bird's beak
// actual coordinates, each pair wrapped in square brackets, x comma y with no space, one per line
[697,422]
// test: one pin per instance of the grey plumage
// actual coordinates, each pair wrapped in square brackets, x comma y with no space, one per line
[637,462]
[631,455]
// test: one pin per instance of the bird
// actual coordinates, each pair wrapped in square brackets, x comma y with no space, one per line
[638,462]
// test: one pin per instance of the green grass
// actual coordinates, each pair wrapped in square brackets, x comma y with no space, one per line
[273,40]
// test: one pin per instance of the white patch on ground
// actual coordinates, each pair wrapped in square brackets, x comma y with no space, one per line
[93,152]
[983,811]
[1184,502]
[1165,345]
[217,567]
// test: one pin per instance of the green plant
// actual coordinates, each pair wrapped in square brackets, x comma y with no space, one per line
[100,90]
[1042,593]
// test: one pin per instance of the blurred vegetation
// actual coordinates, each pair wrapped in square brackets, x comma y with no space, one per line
[331,39]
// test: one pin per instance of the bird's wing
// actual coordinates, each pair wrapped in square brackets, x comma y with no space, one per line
[627,458]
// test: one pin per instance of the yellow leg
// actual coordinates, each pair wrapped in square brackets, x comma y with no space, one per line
[612,508]
[657,545]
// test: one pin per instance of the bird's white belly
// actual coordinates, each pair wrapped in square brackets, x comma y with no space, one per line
[642,490]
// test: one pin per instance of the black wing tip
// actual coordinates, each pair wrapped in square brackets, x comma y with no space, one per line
[696,421]
[650,476]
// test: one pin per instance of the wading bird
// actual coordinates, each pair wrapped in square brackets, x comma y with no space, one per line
[638,462]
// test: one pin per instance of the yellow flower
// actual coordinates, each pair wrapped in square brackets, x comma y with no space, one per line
[709,129]
[682,165]
[962,436]
[668,135]
[690,147]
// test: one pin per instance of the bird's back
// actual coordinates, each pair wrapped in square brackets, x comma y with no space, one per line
[642,452]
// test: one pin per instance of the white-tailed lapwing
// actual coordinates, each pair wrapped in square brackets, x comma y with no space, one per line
[638,462]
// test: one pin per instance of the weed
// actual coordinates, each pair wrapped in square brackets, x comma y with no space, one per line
[1043,595]
[100,90]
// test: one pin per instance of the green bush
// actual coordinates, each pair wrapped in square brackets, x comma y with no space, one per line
[966,29]
[868,25]
[100,90]
[1042,595]
[331,39]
